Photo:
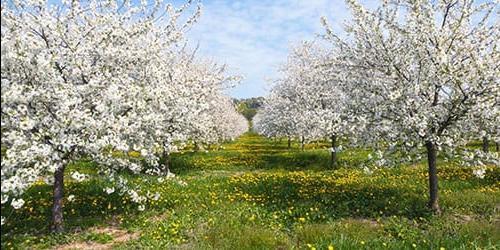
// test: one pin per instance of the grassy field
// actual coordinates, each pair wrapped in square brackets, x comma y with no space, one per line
[255,194]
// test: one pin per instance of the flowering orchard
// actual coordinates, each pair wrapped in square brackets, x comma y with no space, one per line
[101,101]
[94,78]
[411,78]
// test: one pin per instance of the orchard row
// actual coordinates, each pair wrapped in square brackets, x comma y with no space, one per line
[411,79]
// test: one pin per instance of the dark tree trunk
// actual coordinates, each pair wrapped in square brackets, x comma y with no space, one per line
[486,144]
[196,147]
[433,178]
[57,225]
[333,162]
[289,142]
[166,162]
[497,145]
[302,144]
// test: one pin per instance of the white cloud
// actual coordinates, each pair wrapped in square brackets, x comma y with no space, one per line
[253,37]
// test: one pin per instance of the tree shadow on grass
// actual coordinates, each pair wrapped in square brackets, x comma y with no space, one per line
[90,207]
[295,160]
[320,198]
[254,152]
[265,159]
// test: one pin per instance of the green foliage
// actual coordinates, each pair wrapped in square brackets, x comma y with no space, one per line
[248,107]
[254,193]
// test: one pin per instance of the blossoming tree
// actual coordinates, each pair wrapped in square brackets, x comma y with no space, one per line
[420,68]
[88,79]
[308,100]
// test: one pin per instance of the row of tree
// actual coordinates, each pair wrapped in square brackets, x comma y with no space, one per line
[89,79]
[407,76]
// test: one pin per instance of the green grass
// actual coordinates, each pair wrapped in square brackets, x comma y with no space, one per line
[254,193]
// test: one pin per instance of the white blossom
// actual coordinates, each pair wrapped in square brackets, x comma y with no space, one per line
[78,176]
[109,190]
[5,198]
[156,196]
[479,173]
[17,203]
[367,170]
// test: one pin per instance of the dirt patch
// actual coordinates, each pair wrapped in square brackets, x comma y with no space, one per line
[463,218]
[118,235]
[159,217]
[369,222]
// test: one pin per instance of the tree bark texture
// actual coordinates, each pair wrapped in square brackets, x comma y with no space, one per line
[433,178]
[57,225]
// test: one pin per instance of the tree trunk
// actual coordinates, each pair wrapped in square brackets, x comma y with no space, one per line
[196,147]
[433,178]
[333,162]
[57,204]
[486,144]
[302,144]
[166,162]
[289,142]
[497,145]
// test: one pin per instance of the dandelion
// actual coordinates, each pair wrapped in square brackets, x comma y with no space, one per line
[71,198]
[330,247]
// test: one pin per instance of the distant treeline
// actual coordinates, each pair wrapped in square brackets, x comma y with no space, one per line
[248,106]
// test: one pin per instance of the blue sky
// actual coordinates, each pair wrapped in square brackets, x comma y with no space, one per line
[253,36]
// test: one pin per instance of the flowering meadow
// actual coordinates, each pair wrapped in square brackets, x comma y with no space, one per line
[254,193]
